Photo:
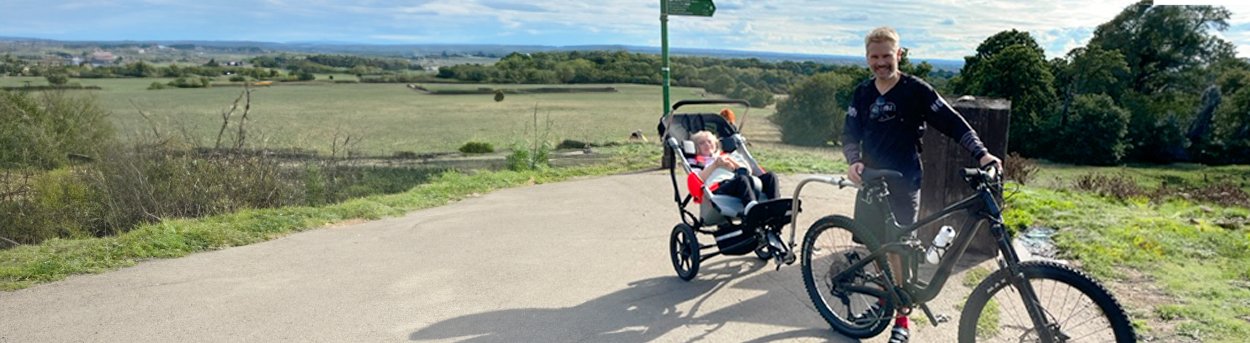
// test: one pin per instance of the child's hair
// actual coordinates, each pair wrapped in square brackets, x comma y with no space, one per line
[708,135]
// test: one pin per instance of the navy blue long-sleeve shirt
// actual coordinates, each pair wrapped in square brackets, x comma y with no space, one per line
[884,130]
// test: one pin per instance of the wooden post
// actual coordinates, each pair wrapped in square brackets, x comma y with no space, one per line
[944,159]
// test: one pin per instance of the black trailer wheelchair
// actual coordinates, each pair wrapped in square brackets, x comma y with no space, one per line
[737,226]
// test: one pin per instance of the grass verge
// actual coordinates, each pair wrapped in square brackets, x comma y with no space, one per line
[1197,255]
[57,259]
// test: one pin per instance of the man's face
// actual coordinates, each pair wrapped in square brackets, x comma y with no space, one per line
[883,60]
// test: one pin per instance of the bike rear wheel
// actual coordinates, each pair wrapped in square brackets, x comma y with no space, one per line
[1077,308]
[855,306]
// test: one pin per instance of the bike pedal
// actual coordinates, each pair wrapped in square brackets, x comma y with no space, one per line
[942,318]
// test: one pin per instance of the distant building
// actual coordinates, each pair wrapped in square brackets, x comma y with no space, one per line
[102,58]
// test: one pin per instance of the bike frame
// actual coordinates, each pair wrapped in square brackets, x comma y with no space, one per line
[982,205]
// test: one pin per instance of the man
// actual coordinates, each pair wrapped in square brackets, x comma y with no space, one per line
[884,125]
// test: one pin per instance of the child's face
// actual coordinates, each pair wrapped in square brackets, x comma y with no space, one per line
[704,146]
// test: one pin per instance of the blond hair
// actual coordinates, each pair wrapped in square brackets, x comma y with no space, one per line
[707,135]
[884,34]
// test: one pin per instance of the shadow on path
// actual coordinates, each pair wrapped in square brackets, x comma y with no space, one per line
[648,310]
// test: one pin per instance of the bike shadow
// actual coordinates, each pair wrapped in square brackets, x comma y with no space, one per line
[650,309]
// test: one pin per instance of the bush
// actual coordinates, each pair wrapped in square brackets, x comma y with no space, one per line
[182,82]
[149,183]
[499,95]
[156,86]
[477,148]
[238,78]
[1116,186]
[41,205]
[815,111]
[529,158]
[757,98]
[1098,127]
[1019,169]
[573,144]
[406,155]
[57,79]
[40,130]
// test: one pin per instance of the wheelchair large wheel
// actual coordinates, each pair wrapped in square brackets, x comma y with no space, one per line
[684,248]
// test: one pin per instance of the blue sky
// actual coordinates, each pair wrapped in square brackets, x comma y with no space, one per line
[938,29]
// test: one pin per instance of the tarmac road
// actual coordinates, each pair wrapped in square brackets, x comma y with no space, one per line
[584,260]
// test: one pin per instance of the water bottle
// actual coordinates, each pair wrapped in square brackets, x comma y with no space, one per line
[940,242]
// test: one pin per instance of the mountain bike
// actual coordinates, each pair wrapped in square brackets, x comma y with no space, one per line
[851,284]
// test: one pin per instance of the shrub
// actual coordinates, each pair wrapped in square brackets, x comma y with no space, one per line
[1019,169]
[573,144]
[41,205]
[57,79]
[149,183]
[156,86]
[238,78]
[477,148]
[1098,127]
[407,155]
[529,158]
[498,95]
[757,98]
[814,113]
[40,130]
[1117,186]
[182,82]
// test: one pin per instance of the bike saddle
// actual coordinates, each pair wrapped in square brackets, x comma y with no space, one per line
[877,175]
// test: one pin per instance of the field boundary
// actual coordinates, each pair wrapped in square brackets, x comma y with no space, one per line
[489,90]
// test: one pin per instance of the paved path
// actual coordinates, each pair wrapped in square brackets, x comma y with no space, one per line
[583,260]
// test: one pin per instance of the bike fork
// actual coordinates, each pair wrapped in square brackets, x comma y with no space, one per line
[1047,331]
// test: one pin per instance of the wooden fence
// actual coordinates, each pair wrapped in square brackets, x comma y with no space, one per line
[944,160]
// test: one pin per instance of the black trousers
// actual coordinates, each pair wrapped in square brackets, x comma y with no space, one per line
[739,186]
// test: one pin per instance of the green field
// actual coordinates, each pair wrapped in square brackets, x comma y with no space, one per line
[384,118]
[1148,177]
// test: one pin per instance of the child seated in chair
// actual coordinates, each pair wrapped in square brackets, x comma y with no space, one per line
[720,171]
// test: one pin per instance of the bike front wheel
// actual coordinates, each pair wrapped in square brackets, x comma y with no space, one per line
[855,305]
[1077,308]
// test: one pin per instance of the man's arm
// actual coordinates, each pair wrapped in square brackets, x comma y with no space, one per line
[851,133]
[949,122]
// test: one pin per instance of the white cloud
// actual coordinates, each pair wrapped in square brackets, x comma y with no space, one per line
[947,29]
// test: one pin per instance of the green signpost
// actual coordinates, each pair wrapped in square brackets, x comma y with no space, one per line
[698,8]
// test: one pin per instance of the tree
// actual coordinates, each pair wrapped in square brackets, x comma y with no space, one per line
[972,71]
[1089,70]
[1201,128]
[1097,133]
[57,79]
[1011,65]
[722,84]
[212,62]
[811,116]
[921,70]
[1158,42]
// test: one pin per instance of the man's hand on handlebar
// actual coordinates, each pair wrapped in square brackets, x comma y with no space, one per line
[855,172]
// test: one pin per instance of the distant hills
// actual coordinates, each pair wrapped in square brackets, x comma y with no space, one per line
[497,50]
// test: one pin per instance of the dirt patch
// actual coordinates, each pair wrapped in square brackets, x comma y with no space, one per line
[1141,295]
